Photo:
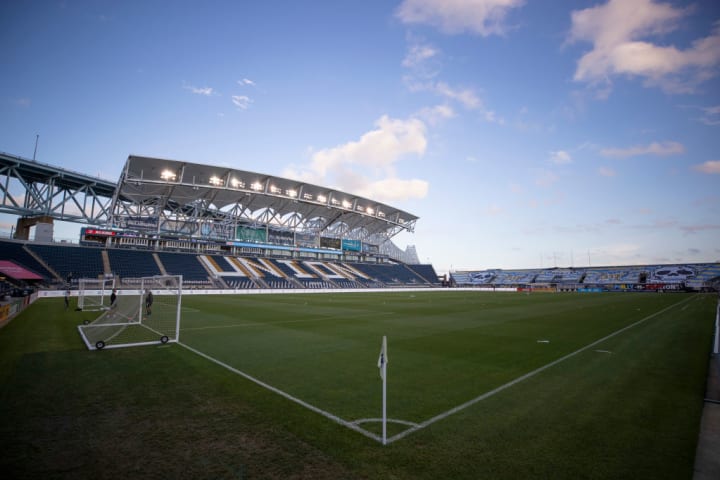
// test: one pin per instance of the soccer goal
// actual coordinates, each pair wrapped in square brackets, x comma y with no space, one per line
[94,293]
[148,316]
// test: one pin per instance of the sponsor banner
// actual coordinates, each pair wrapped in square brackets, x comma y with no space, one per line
[141,223]
[366,247]
[328,242]
[351,245]
[247,234]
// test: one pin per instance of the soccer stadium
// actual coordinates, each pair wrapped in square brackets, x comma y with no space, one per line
[210,322]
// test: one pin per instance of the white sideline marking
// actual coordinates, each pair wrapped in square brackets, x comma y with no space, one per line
[526,376]
[603,351]
[543,341]
[315,409]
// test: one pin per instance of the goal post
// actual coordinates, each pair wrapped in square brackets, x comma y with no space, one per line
[94,293]
[149,315]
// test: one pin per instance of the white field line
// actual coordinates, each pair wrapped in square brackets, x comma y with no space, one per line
[315,409]
[260,324]
[388,420]
[526,376]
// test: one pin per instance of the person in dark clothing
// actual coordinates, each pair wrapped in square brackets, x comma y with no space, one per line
[113,298]
[67,299]
[148,302]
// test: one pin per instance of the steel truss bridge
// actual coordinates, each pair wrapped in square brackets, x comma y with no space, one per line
[159,196]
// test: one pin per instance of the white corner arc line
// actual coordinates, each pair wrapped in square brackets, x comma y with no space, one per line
[519,379]
[388,420]
[315,409]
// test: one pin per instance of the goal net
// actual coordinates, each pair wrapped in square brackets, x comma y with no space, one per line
[94,293]
[148,316]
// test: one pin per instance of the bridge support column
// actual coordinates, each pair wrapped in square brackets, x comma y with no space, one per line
[44,234]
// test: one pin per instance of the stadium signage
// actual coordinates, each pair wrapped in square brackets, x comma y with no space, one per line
[105,233]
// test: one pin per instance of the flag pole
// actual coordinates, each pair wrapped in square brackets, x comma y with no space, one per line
[384,414]
[382,363]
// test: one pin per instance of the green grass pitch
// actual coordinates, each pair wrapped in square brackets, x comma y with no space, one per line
[480,385]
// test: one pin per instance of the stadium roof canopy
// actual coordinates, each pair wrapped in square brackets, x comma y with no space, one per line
[174,196]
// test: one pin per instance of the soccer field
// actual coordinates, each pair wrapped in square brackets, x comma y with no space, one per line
[445,348]
[480,385]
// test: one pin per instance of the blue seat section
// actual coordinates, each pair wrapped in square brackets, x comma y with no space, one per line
[81,262]
[280,283]
[240,283]
[391,274]
[221,263]
[314,281]
[706,274]
[513,278]
[610,276]
[15,252]
[187,265]
[426,272]
[546,276]
[132,263]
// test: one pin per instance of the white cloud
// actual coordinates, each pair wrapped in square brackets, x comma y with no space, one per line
[366,166]
[246,81]
[619,30]
[205,91]
[241,101]
[466,97]
[560,157]
[655,148]
[418,55]
[482,17]
[436,114]
[712,115]
[709,167]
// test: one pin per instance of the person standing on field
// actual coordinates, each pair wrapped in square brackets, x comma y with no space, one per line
[148,302]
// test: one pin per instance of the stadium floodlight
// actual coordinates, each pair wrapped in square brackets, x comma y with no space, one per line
[346,204]
[291,193]
[275,190]
[138,318]
[322,198]
[214,180]
[257,186]
[168,175]
[369,211]
[94,293]
[237,183]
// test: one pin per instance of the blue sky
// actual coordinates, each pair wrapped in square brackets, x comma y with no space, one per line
[522,133]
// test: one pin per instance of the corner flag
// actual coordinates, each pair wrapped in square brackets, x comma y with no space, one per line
[383,359]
